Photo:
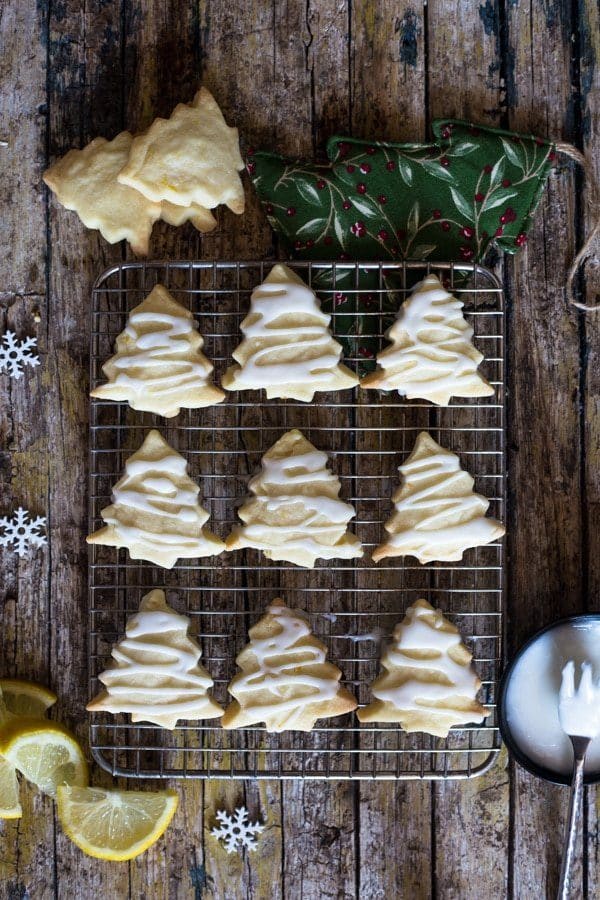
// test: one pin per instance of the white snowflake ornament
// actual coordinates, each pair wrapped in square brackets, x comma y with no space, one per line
[15,354]
[237,831]
[22,532]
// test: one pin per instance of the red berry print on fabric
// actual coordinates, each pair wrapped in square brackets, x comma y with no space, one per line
[506,182]
[499,232]
[488,169]
[359,229]
[298,245]
[365,353]
[321,183]
[390,165]
[350,169]
[346,204]
[328,240]
[382,199]
[339,298]
[361,188]
[371,150]
[383,235]
[290,211]
[444,161]
[344,148]
[509,215]
[365,168]
[521,239]
[479,197]
[269,208]
[436,214]
[467,253]
[467,232]
[445,226]
[250,168]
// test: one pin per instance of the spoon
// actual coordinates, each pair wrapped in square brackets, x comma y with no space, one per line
[579,715]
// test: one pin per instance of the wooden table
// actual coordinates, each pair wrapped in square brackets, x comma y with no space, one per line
[288,74]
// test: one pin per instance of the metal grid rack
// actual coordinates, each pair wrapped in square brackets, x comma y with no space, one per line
[352,604]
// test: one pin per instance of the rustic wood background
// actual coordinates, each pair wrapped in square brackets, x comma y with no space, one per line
[288,73]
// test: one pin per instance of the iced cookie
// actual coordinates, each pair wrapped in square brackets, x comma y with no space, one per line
[285,680]
[295,513]
[288,349]
[428,682]
[155,511]
[157,676]
[431,355]
[159,366]
[438,515]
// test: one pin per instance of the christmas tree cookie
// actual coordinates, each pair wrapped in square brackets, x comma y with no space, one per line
[159,366]
[288,349]
[155,511]
[295,513]
[157,676]
[430,355]
[285,680]
[438,515]
[427,683]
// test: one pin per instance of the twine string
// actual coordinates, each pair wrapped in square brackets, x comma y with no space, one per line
[593,204]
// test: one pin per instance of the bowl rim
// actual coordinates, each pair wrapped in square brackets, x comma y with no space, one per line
[515,750]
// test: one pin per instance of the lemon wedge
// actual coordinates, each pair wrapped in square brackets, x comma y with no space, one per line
[114,825]
[26,698]
[10,808]
[46,753]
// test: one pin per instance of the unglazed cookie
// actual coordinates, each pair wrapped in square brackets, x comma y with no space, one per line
[193,157]
[428,682]
[288,349]
[430,356]
[296,514]
[86,181]
[159,366]
[157,676]
[438,515]
[155,511]
[285,680]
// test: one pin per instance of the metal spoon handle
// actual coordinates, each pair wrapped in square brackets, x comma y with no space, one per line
[580,746]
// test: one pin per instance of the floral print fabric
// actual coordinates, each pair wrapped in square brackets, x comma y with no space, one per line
[448,200]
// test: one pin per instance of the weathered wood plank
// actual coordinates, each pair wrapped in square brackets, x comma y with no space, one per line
[83,102]
[589,54]
[546,530]
[26,855]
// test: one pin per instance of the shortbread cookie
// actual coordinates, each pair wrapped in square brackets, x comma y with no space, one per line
[159,366]
[431,356]
[86,181]
[285,680]
[155,511]
[428,682]
[192,157]
[202,219]
[438,515]
[288,348]
[296,514]
[157,676]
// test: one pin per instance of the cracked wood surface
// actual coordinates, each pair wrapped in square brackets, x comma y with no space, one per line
[288,74]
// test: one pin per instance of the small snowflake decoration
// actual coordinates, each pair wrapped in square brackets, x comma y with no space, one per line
[22,532]
[237,831]
[15,354]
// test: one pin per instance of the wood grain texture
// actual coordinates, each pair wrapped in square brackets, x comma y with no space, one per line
[289,75]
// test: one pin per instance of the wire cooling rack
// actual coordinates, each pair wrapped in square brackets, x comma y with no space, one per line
[352,605]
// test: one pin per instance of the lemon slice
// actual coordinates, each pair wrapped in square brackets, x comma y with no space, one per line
[10,808]
[114,825]
[46,753]
[26,698]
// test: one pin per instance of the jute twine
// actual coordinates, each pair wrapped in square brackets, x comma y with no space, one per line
[593,203]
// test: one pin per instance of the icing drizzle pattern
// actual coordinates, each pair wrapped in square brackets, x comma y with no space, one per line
[418,633]
[157,677]
[438,515]
[289,664]
[431,355]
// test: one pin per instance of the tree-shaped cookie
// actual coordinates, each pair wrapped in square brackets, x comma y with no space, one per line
[428,682]
[288,348]
[438,515]
[430,355]
[155,511]
[285,680]
[157,676]
[159,366]
[295,513]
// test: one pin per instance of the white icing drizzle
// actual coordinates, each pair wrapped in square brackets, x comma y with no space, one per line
[158,365]
[287,342]
[284,665]
[157,677]
[431,355]
[289,520]
[417,633]
[443,516]
[155,508]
